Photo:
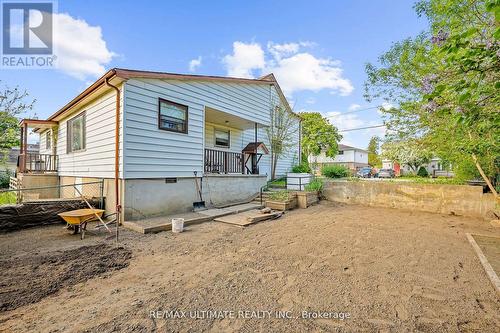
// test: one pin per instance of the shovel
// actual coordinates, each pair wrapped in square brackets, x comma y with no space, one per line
[198,205]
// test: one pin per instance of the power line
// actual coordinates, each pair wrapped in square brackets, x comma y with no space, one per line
[354,111]
[361,128]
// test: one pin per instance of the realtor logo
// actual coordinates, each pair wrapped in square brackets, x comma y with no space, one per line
[27,34]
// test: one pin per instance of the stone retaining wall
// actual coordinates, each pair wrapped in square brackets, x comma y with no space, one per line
[445,199]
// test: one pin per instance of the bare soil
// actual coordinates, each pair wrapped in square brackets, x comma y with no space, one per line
[391,270]
[29,279]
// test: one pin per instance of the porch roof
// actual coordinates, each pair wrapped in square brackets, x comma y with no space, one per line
[37,123]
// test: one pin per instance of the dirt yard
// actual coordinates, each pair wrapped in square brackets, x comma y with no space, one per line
[380,269]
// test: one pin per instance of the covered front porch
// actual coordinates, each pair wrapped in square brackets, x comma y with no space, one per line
[29,162]
[233,145]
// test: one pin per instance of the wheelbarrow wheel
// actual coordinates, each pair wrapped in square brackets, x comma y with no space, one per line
[76,228]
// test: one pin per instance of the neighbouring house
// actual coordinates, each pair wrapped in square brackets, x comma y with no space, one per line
[174,132]
[13,155]
[350,157]
[435,168]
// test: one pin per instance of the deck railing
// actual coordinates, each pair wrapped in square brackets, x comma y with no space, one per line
[37,163]
[219,161]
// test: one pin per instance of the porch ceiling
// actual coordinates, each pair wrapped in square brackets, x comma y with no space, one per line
[226,119]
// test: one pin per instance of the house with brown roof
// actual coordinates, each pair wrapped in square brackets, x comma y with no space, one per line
[154,136]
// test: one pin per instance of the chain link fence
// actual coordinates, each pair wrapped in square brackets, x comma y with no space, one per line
[84,190]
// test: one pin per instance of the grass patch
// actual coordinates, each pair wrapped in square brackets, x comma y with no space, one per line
[280,196]
[425,180]
[417,180]
[316,185]
[279,182]
[7,198]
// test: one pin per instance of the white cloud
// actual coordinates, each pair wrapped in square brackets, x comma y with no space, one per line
[194,64]
[303,71]
[281,50]
[386,106]
[295,70]
[80,48]
[344,121]
[310,100]
[286,49]
[245,59]
[353,107]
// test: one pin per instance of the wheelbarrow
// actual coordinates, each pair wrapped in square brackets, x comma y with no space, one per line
[79,218]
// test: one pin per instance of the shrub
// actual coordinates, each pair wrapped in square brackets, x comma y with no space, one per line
[422,172]
[316,185]
[5,178]
[335,171]
[301,168]
[279,196]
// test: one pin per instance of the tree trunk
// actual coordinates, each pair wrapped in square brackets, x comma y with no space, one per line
[274,161]
[486,179]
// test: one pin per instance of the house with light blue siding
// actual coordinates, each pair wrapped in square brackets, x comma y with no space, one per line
[175,132]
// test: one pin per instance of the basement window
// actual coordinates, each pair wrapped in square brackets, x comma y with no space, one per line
[75,133]
[172,116]
[222,138]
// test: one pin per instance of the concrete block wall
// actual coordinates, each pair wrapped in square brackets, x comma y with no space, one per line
[436,198]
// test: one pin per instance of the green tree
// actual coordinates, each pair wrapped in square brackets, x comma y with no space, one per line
[373,152]
[13,103]
[446,83]
[318,135]
[410,153]
[281,134]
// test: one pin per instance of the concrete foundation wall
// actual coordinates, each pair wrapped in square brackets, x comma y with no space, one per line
[39,180]
[155,197]
[445,199]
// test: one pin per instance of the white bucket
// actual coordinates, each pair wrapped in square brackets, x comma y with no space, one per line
[177,224]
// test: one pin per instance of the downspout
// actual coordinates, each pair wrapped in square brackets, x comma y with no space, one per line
[117,156]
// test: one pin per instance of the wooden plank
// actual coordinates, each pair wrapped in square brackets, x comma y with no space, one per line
[244,219]
[486,265]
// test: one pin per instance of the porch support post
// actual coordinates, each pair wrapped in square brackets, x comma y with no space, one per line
[20,159]
[254,160]
[25,144]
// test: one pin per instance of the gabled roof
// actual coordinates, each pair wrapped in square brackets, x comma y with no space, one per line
[346,147]
[250,148]
[123,74]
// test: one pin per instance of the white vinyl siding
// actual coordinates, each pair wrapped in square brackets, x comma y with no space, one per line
[153,153]
[235,137]
[43,143]
[98,157]
[150,152]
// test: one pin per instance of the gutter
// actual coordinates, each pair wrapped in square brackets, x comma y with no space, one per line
[93,87]
[117,155]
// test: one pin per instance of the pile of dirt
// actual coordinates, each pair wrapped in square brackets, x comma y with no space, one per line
[29,279]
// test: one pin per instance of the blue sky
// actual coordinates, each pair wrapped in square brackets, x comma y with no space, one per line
[317,49]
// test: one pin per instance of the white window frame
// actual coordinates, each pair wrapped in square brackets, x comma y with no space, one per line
[69,134]
[48,139]
[224,130]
